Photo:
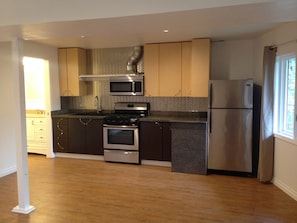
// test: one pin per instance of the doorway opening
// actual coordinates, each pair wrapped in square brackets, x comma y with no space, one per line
[36,80]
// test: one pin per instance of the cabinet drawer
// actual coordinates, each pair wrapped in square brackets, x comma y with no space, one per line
[39,137]
[39,128]
[39,121]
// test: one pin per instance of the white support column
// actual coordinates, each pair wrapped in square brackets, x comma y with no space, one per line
[24,206]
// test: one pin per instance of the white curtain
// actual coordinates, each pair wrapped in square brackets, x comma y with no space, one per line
[266,150]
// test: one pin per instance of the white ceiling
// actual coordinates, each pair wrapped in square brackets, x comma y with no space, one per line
[141,21]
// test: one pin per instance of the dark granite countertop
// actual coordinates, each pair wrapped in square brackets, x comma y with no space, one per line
[154,116]
[184,117]
[80,114]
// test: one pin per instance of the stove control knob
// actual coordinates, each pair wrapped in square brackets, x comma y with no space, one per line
[132,120]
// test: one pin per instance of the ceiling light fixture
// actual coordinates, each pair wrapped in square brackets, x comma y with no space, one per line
[165,30]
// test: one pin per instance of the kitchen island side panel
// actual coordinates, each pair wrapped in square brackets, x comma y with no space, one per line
[189,148]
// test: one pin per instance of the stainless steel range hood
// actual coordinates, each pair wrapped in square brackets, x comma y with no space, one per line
[114,62]
[98,77]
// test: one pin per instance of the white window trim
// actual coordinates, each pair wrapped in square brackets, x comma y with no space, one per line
[286,139]
[292,138]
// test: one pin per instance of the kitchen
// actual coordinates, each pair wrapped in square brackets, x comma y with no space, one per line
[82,118]
[122,55]
[239,63]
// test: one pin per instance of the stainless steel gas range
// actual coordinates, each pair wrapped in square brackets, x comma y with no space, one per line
[121,132]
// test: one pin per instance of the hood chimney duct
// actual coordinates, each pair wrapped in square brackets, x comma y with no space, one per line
[134,59]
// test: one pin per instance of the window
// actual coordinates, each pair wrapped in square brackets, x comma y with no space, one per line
[285,95]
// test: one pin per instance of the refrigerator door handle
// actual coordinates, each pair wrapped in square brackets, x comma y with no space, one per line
[210,96]
[210,121]
[210,107]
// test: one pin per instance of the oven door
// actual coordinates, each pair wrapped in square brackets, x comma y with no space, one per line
[120,137]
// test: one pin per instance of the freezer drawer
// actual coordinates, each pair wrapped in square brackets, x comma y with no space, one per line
[230,139]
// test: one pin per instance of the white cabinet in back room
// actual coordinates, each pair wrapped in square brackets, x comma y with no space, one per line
[36,134]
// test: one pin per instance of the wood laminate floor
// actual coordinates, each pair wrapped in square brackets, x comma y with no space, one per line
[71,190]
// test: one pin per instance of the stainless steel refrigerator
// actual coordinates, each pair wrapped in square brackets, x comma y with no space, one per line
[230,122]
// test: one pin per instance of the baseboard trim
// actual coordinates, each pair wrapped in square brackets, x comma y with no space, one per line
[286,188]
[156,163]
[7,171]
[79,156]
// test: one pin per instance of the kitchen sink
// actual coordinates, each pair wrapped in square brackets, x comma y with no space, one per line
[92,113]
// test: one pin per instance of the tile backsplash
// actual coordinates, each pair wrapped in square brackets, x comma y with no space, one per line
[184,104]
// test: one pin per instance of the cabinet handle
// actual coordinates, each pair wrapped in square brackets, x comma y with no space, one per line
[133,87]
[59,136]
[59,145]
[58,125]
[157,123]
[85,123]
[178,93]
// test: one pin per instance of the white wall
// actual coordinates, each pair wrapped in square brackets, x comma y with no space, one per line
[285,164]
[285,167]
[7,114]
[233,59]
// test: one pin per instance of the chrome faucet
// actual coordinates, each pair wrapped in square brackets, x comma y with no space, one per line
[97,104]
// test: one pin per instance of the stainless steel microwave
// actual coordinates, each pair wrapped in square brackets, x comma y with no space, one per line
[126,85]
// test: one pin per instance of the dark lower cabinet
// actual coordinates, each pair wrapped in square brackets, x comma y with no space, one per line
[155,141]
[94,137]
[83,135]
[76,136]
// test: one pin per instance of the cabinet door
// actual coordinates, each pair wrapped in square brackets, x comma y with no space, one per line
[151,61]
[76,65]
[94,136]
[170,69]
[200,67]
[60,134]
[186,68]
[77,135]
[151,141]
[63,80]
[72,63]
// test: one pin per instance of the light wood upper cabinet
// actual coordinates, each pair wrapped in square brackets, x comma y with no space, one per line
[151,66]
[170,69]
[200,67]
[162,64]
[177,69]
[72,63]
[186,68]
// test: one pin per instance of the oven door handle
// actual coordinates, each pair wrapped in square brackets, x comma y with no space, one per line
[133,87]
[121,126]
